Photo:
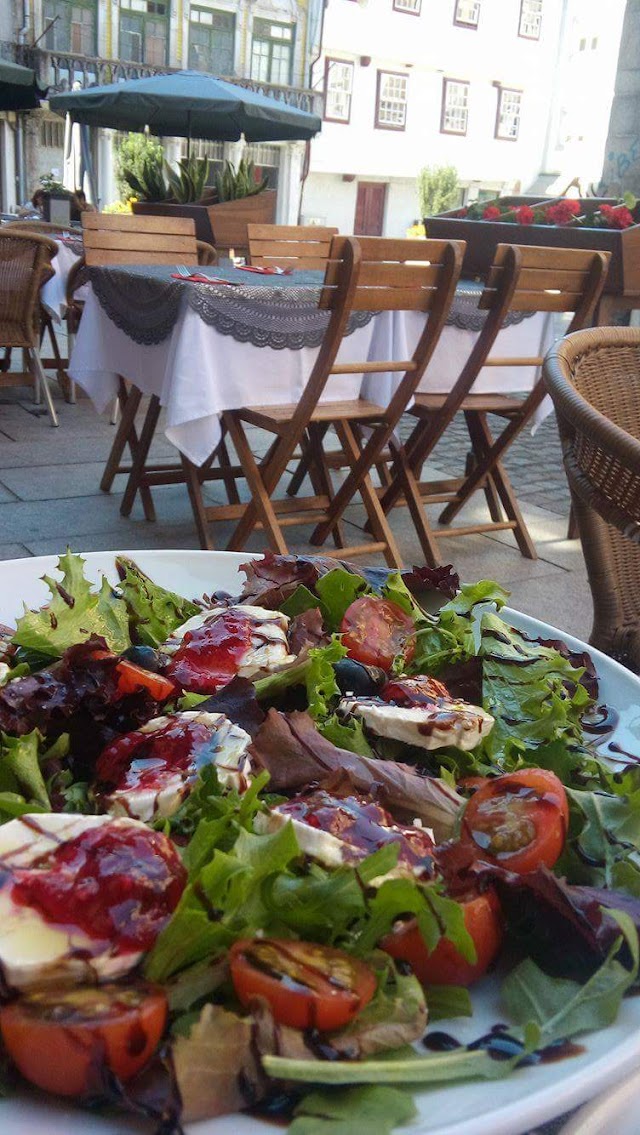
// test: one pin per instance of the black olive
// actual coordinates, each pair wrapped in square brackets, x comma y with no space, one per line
[356,678]
[144,656]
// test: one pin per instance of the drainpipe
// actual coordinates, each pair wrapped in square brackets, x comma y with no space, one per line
[307,152]
[20,172]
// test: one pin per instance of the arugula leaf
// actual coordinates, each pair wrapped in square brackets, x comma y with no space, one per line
[396,590]
[437,1068]
[437,916]
[74,613]
[19,758]
[337,590]
[153,611]
[563,1008]
[352,1111]
[448,1001]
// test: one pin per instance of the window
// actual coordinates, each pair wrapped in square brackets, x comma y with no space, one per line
[594,43]
[508,116]
[338,86]
[212,37]
[52,134]
[272,52]
[530,19]
[72,26]
[583,45]
[455,107]
[467,13]
[411,6]
[143,31]
[391,101]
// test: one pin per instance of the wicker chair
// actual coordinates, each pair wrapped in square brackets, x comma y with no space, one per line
[594,380]
[23,262]
[44,227]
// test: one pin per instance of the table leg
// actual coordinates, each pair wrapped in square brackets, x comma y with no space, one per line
[139,459]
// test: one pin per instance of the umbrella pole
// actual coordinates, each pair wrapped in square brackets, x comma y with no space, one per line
[188,135]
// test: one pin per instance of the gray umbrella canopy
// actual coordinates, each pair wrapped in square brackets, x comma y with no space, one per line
[18,87]
[188,104]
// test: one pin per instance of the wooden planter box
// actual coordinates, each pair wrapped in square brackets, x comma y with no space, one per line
[224,225]
[483,236]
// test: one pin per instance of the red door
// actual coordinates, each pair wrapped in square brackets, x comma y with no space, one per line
[370,208]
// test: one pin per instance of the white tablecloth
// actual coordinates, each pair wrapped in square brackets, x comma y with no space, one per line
[197,372]
[53,295]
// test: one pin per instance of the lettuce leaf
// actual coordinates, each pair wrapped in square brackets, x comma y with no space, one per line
[153,611]
[353,1111]
[74,614]
[19,760]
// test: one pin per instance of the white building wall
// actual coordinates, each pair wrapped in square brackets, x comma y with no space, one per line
[429,48]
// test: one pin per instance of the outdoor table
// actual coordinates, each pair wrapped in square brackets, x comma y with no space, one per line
[205,348]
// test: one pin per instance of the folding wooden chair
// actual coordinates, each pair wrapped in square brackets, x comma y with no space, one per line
[364,274]
[290,246]
[520,279]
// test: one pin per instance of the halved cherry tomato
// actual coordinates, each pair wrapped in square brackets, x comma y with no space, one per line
[306,985]
[421,690]
[59,1039]
[375,630]
[518,821]
[132,678]
[445,965]
[471,784]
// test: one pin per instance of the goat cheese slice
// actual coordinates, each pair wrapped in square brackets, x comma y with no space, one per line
[149,772]
[446,722]
[269,648]
[38,951]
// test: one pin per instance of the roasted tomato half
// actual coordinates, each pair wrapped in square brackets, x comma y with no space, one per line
[445,965]
[421,690]
[375,630]
[518,821]
[306,985]
[60,1040]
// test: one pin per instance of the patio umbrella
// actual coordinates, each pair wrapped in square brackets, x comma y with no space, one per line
[18,87]
[188,104]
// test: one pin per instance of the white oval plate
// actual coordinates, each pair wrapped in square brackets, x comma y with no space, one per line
[503,1107]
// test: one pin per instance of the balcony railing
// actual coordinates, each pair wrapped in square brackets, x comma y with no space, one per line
[60,70]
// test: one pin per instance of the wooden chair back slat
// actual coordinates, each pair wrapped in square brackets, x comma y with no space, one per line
[393,275]
[299,246]
[117,239]
[554,281]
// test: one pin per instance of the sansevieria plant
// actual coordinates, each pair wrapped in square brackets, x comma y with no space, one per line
[234,183]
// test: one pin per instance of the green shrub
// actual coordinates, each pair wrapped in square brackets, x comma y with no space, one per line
[438,189]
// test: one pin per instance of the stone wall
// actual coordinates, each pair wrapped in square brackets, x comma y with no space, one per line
[621,170]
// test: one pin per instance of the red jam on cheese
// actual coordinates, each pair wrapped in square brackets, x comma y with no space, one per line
[211,655]
[141,760]
[118,881]
[362,826]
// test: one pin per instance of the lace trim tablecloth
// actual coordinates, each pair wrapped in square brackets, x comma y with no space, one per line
[280,312]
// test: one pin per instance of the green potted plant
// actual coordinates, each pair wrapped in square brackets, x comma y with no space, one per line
[221,212]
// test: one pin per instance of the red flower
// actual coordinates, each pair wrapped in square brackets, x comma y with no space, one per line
[525,215]
[573,205]
[491,213]
[562,213]
[617,217]
[463,212]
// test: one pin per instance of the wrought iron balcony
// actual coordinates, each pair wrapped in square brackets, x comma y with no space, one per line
[59,70]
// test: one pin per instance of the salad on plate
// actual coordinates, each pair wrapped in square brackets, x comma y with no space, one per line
[257,850]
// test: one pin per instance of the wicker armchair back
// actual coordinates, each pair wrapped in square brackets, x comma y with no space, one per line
[594,379]
[24,258]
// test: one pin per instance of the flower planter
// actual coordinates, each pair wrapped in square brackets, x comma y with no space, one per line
[483,236]
[224,225]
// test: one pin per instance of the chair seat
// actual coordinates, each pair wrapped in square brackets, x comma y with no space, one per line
[482,403]
[276,418]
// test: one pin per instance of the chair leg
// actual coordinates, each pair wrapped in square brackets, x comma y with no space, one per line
[321,475]
[502,482]
[403,475]
[224,461]
[379,524]
[41,378]
[489,488]
[259,496]
[129,401]
[138,463]
[115,413]
[194,488]
[573,532]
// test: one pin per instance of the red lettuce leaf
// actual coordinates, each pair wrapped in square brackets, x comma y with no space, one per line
[238,701]
[443,579]
[297,756]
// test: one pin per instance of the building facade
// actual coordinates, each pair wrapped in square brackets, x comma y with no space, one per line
[267,45]
[414,83]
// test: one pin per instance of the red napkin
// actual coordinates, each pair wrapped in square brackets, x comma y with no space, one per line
[197,278]
[265,270]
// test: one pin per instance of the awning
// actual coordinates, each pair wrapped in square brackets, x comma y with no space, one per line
[19,88]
